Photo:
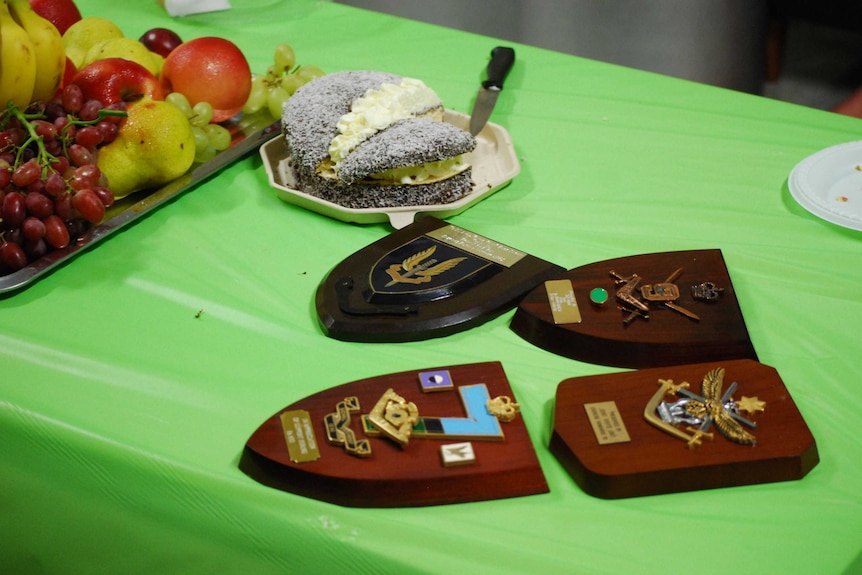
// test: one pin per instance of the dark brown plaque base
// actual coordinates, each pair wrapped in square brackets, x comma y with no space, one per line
[655,462]
[394,476]
[666,338]
[347,313]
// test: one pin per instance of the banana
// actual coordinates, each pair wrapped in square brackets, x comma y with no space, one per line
[48,49]
[17,62]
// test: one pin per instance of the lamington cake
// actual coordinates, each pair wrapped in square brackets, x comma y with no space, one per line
[368,139]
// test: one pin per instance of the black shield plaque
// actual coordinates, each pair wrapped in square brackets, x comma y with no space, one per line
[426,269]
[429,279]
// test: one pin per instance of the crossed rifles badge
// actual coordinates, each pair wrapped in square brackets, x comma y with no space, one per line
[700,412]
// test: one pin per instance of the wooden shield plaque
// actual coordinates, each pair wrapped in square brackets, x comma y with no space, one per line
[645,432]
[429,279]
[429,437]
[640,311]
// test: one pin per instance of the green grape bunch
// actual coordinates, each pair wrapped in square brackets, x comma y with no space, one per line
[210,138]
[270,91]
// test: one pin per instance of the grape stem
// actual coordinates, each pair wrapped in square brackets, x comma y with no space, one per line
[44,157]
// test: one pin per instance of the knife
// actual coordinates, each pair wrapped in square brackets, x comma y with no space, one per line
[502,58]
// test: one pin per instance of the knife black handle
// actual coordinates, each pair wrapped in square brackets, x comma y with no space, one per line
[502,59]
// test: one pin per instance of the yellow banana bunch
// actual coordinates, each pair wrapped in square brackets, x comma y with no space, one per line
[50,54]
[32,55]
[17,61]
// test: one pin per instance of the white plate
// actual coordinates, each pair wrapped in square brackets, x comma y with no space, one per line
[494,165]
[829,184]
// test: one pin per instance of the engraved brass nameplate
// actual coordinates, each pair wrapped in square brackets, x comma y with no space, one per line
[477,245]
[561,298]
[607,423]
[299,436]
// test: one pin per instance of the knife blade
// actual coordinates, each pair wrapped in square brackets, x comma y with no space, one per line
[502,59]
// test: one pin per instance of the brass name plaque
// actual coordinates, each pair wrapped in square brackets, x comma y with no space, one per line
[606,422]
[477,245]
[561,298]
[299,436]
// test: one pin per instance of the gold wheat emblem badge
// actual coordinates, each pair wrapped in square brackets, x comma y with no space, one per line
[420,268]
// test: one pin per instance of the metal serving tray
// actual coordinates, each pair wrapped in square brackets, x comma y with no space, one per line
[248,133]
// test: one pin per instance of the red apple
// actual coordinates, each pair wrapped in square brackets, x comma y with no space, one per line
[212,70]
[60,13]
[161,41]
[113,79]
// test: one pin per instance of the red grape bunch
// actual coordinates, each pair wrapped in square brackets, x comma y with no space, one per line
[51,189]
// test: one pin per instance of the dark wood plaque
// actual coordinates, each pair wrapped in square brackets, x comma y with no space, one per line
[603,439]
[608,335]
[429,279]
[370,465]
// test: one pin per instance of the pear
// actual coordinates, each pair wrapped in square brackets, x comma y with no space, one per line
[86,33]
[154,146]
[127,48]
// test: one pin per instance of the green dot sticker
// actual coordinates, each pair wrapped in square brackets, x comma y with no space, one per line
[599,296]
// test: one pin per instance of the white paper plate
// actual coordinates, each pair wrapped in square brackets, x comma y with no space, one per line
[829,184]
[494,165]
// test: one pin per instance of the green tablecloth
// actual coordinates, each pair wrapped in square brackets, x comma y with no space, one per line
[123,414]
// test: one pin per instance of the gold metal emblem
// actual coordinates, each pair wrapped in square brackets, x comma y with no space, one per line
[503,408]
[750,404]
[477,423]
[338,431]
[416,270]
[700,412]
[394,416]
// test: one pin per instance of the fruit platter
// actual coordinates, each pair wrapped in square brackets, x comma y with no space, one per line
[247,134]
[98,128]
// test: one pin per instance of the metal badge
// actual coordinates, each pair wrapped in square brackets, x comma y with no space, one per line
[338,431]
[706,291]
[700,412]
[394,416]
[426,270]
[503,408]
[663,293]
[480,424]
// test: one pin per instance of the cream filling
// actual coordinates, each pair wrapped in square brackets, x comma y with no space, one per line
[424,174]
[379,108]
